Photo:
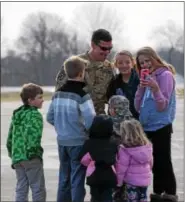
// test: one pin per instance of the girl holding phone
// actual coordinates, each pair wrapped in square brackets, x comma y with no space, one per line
[156,102]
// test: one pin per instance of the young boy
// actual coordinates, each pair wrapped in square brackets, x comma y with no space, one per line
[24,145]
[119,111]
[71,112]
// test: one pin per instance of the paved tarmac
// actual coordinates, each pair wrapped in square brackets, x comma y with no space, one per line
[51,163]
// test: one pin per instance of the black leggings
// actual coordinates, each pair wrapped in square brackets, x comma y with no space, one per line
[101,194]
[163,174]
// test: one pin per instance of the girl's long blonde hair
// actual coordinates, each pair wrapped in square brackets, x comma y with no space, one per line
[132,134]
[148,51]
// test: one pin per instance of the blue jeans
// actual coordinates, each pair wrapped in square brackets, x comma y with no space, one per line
[71,175]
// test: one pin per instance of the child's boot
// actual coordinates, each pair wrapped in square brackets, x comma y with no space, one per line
[169,198]
[155,198]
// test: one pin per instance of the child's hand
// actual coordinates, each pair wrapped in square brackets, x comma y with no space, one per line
[150,82]
[153,84]
[143,83]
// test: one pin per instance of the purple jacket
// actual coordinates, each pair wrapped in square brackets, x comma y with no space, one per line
[166,84]
[134,165]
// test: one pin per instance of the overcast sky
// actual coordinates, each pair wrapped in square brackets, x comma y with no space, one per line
[140,17]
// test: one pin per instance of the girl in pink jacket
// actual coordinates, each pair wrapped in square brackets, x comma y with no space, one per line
[134,161]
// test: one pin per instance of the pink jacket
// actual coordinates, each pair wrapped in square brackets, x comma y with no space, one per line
[134,165]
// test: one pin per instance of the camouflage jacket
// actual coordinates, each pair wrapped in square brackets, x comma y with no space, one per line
[97,78]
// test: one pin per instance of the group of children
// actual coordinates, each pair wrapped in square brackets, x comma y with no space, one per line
[110,151]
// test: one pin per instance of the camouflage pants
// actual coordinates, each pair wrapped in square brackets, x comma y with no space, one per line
[100,109]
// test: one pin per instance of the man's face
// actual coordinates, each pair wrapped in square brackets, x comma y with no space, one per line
[101,50]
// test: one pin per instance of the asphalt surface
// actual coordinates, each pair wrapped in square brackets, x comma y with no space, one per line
[51,163]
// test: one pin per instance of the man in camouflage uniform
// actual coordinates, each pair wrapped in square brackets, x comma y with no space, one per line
[99,71]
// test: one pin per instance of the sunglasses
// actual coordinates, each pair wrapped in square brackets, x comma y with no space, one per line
[104,48]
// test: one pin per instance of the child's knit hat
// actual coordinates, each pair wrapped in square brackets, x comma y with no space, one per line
[120,104]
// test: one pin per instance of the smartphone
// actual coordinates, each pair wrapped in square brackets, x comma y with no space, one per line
[144,73]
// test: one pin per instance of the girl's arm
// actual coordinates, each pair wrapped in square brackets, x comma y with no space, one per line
[122,165]
[166,87]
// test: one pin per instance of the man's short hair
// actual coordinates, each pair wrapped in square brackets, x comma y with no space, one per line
[30,91]
[101,35]
[73,66]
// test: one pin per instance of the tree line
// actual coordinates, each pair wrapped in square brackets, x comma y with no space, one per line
[46,40]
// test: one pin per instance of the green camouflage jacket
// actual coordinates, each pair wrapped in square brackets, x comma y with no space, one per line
[97,78]
[25,133]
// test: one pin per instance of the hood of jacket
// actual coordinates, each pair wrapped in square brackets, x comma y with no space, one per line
[20,113]
[142,154]
[159,71]
[102,127]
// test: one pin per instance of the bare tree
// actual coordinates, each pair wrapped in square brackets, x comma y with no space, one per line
[46,34]
[43,37]
[3,39]
[180,43]
[88,17]
[170,36]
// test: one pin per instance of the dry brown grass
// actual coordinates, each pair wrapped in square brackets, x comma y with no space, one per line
[14,96]
[180,92]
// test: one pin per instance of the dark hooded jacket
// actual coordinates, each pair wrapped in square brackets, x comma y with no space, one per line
[102,152]
[118,87]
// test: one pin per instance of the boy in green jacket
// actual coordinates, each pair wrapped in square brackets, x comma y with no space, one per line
[24,145]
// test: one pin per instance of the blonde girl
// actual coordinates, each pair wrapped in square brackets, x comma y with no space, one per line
[127,81]
[156,102]
[134,162]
